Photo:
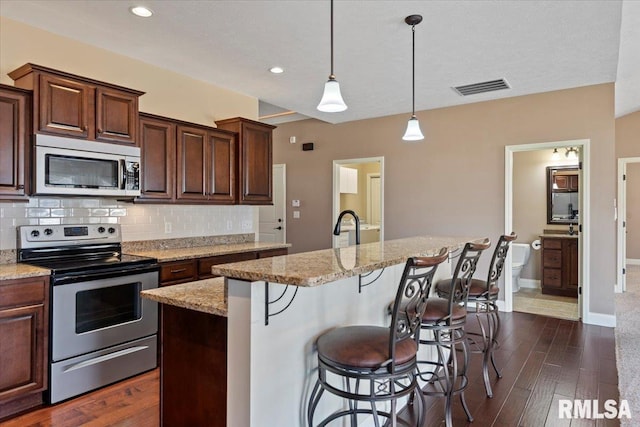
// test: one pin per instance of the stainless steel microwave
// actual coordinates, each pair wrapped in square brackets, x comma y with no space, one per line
[76,167]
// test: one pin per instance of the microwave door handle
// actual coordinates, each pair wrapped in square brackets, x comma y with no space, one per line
[123,179]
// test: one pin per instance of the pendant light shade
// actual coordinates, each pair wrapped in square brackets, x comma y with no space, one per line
[413,132]
[555,155]
[332,101]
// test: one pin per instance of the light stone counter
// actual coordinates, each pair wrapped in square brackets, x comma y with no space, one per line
[206,296]
[21,271]
[560,236]
[319,267]
[177,254]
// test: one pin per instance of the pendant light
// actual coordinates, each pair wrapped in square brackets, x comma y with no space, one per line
[332,101]
[413,132]
[555,155]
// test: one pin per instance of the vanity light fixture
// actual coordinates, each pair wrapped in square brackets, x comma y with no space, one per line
[555,156]
[276,70]
[332,101]
[572,153]
[413,132]
[141,11]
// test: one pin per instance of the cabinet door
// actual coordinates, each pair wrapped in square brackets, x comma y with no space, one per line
[570,257]
[22,355]
[221,167]
[158,157]
[116,116]
[66,107]
[15,128]
[256,165]
[191,163]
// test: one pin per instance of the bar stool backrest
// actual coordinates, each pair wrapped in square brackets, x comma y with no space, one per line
[411,299]
[499,255]
[463,273]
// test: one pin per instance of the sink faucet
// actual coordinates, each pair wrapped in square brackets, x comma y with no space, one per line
[336,230]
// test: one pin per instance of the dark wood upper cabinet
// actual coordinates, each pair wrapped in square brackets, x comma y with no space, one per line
[79,107]
[157,139]
[15,131]
[205,164]
[255,163]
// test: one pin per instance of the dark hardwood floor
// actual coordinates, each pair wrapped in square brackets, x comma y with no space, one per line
[542,359]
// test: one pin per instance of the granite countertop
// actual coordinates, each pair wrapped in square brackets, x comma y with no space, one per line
[318,267]
[207,296]
[165,255]
[560,235]
[21,271]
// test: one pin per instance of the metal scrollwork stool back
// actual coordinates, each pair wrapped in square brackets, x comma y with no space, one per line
[373,364]
[442,330]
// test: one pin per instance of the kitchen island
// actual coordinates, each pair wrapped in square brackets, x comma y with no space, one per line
[276,309]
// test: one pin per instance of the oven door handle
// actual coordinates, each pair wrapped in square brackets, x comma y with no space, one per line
[106,357]
[64,279]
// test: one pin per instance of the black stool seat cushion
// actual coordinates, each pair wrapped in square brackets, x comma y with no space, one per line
[363,347]
[476,288]
[438,308]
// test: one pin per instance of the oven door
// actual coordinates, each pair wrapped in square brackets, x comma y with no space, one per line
[95,314]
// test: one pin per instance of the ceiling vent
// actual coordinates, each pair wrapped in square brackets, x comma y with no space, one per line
[483,87]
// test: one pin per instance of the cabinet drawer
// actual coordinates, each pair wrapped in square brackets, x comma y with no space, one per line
[552,244]
[552,258]
[177,271]
[204,264]
[552,277]
[14,293]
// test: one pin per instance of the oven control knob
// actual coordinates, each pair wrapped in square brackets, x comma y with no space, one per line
[48,231]
[35,233]
[100,229]
[112,230]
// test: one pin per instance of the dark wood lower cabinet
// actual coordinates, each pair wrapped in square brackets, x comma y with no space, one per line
[560,266]
[193,374]
[24,308]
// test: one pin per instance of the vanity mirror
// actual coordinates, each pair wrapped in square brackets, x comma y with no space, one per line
[562,195]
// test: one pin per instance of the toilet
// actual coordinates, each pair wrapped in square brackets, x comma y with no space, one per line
[519,257]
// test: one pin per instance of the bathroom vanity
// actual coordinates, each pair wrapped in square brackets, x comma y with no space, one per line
[560,264]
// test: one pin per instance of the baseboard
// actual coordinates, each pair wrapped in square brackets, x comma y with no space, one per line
[608,320]
[529,283]
[631,261]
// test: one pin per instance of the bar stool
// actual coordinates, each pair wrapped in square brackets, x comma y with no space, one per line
[444,320]
[484,293]
[374,363]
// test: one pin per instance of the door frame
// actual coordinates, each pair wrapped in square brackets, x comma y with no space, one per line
[336,189]
[584,146]
[621,216]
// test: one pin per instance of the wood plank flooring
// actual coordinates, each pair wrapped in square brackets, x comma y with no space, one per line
[543,360]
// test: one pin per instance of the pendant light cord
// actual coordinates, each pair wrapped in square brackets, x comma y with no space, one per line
[332,76]
[413,74]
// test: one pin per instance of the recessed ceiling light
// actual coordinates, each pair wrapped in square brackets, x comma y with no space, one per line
[141,11]
[276,70]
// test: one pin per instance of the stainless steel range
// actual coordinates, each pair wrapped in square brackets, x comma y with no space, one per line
[102,331]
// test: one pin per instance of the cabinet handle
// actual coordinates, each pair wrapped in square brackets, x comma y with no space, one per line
[85,128]
[180,270]
[20,187]
[99,130]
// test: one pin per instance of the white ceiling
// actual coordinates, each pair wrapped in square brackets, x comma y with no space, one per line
[537,46]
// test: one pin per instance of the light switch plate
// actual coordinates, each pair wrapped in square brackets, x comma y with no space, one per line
[296,214]
[295,203]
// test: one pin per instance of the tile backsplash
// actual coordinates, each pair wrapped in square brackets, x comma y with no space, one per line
[139,222]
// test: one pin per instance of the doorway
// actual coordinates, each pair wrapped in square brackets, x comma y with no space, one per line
[358,185]
[628,217]
[584,216]
[272,219]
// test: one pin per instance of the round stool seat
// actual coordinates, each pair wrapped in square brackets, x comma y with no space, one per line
[363,347]
[477,288]
[438,309]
